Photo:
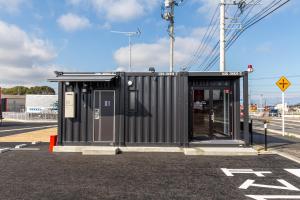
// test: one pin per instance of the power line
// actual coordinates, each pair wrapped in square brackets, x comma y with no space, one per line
[214,52]
[205,39]
[274,77]
[258,17]
[238,33]
[214,59]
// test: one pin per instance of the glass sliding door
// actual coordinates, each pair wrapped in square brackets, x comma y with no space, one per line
[201,114]
[221,107]
[211,114]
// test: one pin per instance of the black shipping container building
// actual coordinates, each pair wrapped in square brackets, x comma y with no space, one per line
[151,108]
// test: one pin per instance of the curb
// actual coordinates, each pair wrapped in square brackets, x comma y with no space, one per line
[261,151]
[288,156]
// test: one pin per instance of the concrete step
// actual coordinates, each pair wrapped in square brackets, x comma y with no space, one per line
[108,152]
[152,149]
[220,151]
[88,150]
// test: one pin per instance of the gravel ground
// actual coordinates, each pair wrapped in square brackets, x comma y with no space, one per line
[41,175]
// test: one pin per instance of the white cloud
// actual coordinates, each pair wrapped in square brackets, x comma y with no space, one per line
[119,10]
[22,56]
[11,6]
[145,55]
[71,22]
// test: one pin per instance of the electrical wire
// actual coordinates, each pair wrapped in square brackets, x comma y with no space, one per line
[257,18]
[213,59]
[205,39]
[216,56]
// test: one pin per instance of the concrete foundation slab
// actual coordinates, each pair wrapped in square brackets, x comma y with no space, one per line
[205,151]
[87,150]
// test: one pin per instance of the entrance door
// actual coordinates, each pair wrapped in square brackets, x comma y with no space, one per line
[201,114]
[104,116]
[211,114]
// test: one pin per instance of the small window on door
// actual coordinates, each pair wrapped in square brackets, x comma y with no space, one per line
[107,103]
[132,101]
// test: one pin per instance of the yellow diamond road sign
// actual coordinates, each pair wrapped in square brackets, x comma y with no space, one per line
[283,83]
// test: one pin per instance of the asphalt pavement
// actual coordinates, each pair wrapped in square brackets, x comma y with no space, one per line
[12,128]
[41,175]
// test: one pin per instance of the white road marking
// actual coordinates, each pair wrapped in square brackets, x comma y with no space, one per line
[36,142]
[4,150]
[29,128]
[295,172]
[292,124]
[287,120]
[20,146]
[230,172]
[287,186]
[266,197]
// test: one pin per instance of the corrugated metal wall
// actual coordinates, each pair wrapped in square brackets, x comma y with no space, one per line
[80,128]
[156,119]
[160,117]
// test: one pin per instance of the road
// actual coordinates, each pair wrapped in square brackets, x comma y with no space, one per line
[11,128]
[42,175]
[291,125]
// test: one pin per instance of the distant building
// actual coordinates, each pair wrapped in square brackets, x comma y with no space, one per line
[13,103]
[279,107]
[41,103]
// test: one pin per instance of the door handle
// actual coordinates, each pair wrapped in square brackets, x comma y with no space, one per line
[213,117]
[97,114]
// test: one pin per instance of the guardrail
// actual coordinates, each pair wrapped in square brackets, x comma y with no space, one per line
[22,116]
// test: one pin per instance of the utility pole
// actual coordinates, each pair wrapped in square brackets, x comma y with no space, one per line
[129,35]
[168,15]
[241,6]
[222,36]
[171,32]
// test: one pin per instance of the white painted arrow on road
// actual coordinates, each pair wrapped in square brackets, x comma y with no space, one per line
[266,197]
[295,172]
[287,186]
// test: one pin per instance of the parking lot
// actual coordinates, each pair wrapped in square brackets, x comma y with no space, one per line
[37,174]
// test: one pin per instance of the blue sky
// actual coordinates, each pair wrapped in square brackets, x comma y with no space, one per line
[38,37]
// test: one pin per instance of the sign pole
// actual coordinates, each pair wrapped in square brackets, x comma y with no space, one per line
[283,84]
[283,111]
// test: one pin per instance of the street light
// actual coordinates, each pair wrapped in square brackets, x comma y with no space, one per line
[129,35]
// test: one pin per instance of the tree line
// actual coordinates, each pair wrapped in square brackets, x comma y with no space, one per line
[21,90]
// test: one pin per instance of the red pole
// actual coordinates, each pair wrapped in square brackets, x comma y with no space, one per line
[53,140]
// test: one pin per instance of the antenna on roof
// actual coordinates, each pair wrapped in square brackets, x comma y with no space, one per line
[129,35]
